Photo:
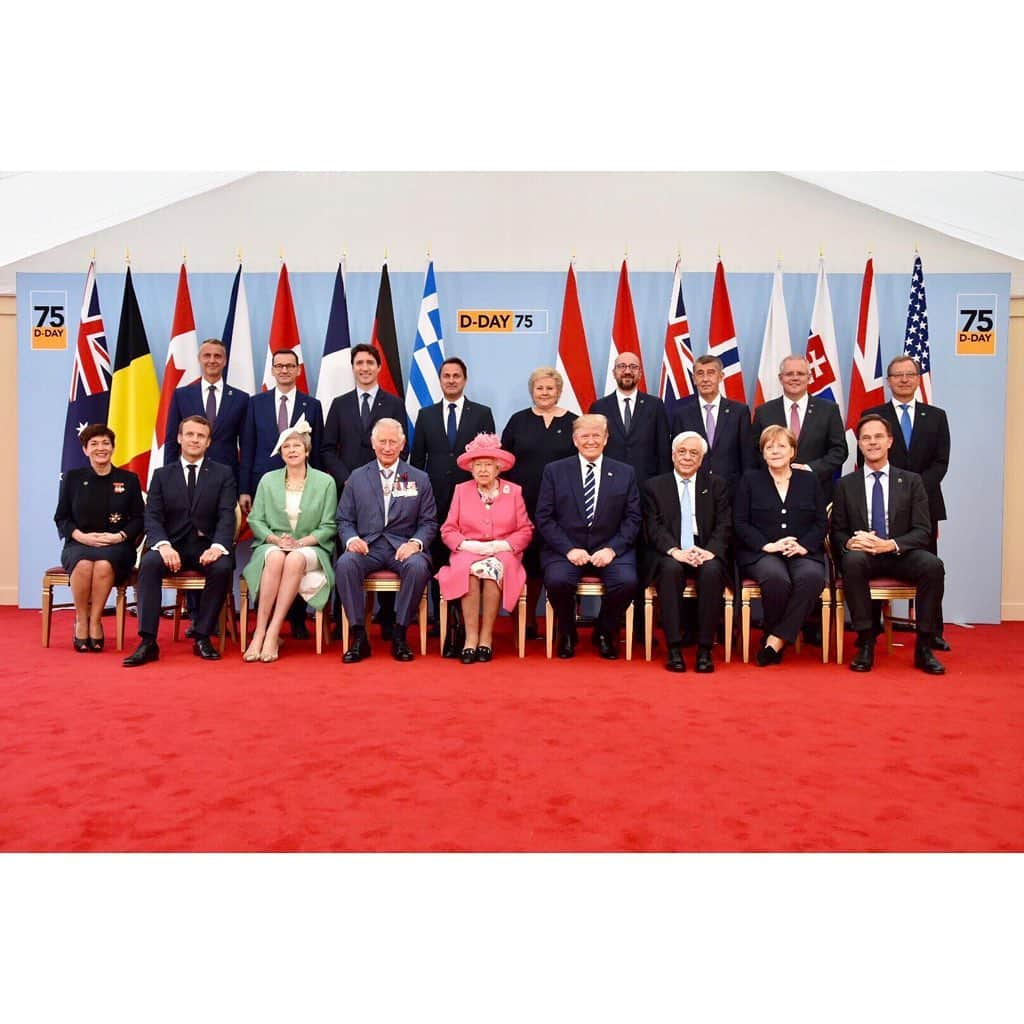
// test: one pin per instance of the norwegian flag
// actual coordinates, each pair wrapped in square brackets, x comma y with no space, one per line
[573,360]
[722,339]
[822,353]
[866,388]
[915,340]
[182,367]
[625,337]
[89,397]
[677,363]
[284,333]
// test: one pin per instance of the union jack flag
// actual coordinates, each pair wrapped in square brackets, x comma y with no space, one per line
[89,396]
[915,341]
[677,363]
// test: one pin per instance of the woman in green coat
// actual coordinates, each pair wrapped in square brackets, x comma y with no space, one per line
[292,521]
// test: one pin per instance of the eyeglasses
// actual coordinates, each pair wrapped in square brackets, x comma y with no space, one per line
[283,366]
[627,366]
[909,375]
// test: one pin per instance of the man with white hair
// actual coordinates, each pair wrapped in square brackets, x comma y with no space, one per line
[687,524]
[387,519]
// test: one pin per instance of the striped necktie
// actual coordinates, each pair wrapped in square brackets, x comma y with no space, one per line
[588,494]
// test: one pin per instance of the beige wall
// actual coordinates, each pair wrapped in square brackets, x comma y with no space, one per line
[1013,498]
[9,458]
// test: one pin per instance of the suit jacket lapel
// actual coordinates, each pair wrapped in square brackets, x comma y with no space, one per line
[702,505]
[466,431]
[861,499]
[577,487]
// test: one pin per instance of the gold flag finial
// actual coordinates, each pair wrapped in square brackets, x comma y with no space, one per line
[94,254]
[238,254]
[127,256]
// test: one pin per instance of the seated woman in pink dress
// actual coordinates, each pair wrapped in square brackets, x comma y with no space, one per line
[487,530]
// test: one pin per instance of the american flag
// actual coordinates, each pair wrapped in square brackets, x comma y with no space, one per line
[677,363]
[89,397]
[915,340]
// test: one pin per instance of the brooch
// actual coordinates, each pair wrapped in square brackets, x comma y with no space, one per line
[115,517]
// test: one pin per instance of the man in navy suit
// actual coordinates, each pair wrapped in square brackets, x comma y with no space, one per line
[722,422]
[588,517]
[881,527]
[920,443]
[346,441]
[269,413]
[210,396]
[386,520]
[637,422]
[816,422]
[442,432]
[190,524]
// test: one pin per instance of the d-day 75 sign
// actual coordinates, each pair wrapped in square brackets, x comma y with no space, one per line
[49,329]
[501,321]
[975,325]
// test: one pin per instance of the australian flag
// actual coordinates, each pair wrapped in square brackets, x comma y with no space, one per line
[915,340]
[89,399]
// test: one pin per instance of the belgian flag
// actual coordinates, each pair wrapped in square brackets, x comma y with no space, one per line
[385,338]
[134,391]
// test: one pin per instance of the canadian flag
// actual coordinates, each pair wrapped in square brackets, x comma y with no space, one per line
[284,333]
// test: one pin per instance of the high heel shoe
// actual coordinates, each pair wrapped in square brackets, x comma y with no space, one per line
[269,656]
[252,652]
[81,643]
[468,655]
[483,654]
[96,643]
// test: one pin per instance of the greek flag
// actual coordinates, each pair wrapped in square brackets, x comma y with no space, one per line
[427,355]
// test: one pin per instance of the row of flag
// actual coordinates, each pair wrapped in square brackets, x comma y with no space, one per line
[128,397]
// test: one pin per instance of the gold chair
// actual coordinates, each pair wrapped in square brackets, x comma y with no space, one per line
[243,599]
[57,577]
[885,589]
[690,590]
[589,586]
[383,582]
[749,590]
[442,615]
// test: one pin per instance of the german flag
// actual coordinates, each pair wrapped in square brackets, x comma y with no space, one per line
[134,391]
[385,338]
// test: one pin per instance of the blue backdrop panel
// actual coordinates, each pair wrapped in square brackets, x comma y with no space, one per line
[971,389]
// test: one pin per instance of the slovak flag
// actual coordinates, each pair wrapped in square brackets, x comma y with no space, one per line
[677,363]
[866,385]
[822,353]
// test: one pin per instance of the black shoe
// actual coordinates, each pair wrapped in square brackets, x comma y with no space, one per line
[864,659]
[926,661]
[675,662]
[468,655]
[704,662]
[767,656]
[484,654]
[606,646]
[96,644]
[566,645]
[190,633]
[81,643]
[400,650]
[146,651]
[939,643]
[202,648]
[358,649]
[300,630]
[454,641]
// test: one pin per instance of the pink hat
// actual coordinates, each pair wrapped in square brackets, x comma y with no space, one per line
[486,446]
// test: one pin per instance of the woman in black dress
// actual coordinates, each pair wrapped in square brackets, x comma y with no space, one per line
[99,515]
[536,436]
[780,523]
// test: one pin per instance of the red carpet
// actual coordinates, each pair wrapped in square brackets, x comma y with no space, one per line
[308,754]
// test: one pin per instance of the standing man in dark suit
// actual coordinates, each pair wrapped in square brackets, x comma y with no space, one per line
[881,527]
[920,443]
[346,441]
[816,423]
[210,396]
[588,516]
[386,520]
[637,422]
[271,412]
[723,423]
[190,524]
[442,432]
[687,522]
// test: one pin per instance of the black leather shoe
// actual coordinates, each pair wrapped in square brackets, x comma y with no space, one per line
[675,662]
[939,643]
[400,650]
[190,633]
[454,641]
[81,643]
[768,656]
[864,659]
[606,646]
[468,655]
[96,644]
[566,646]
[484,654]
[926,661]
[358,649]
[704,662]
[146,651]
[202,648]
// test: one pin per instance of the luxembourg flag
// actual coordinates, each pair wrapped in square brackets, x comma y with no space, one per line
[866,386]
[677,363]
[775,346]
[822,353]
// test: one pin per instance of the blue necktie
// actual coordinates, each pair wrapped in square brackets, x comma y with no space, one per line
[627,418]
[452,428]
[588,494]
[878,508]
[906,426]
[686,510]
[364,413]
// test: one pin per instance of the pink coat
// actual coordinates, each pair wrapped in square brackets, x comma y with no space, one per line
[470,519]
